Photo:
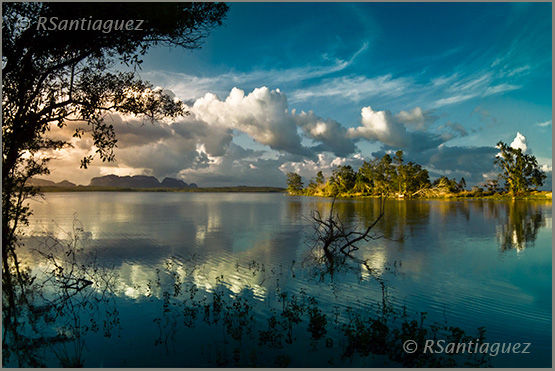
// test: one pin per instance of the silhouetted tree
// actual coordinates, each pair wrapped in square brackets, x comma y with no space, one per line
[52,76]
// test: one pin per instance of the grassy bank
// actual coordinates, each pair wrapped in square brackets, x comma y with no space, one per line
[464,195]
[534,195]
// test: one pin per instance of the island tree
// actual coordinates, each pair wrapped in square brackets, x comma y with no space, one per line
[344,178]
[294,183]
[320,179]
[394,177]
[519,170]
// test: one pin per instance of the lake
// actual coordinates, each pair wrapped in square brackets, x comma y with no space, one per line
[466,263]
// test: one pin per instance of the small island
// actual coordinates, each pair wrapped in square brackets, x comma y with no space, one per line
[389,177]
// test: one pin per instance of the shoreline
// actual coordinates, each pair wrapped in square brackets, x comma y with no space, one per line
[535,195]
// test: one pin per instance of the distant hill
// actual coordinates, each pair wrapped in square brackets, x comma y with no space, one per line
[65,183]
[37,182]
[176,183]
[138,181]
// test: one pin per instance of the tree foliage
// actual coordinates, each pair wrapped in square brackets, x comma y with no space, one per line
[294,183]
[379,177]
[320,179]
[394,177]
[448,185]
[519,170]
[51,77]
[344,178]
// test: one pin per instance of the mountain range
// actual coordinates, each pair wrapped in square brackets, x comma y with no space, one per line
[115,181]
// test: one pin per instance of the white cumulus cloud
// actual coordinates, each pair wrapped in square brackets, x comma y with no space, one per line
[381,126]
[519,142]
[393,130]
[262,114]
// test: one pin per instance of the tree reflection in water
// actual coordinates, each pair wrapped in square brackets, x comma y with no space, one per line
[520,228]
[246,331]
[61,295]
[516,222]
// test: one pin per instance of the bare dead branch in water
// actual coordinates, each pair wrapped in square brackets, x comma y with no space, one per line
[334,243]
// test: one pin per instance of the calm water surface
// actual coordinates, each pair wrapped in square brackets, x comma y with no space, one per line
[468,263]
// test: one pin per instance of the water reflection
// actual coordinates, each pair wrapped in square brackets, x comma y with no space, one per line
[62,296]
[272,231]
[522,221]
[516,222]
[225,309]
[136,274]
[252,246]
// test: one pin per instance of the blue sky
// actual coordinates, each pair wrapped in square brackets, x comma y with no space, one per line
[444,82]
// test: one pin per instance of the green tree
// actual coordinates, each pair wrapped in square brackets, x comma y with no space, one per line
[446,184]
[344,177]
[320,179]
[462,184]
[519,170]
[294,183]
[404,183]
[384,176]
[362,183]
[416,178]
[492,186]
[311,188]
[365,177]
[315,185]
[331,189]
